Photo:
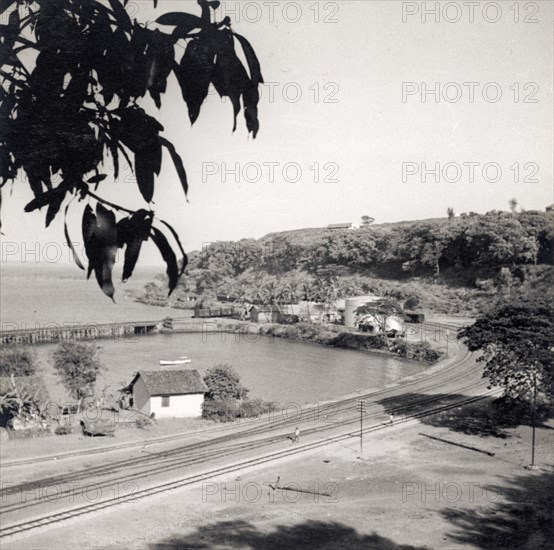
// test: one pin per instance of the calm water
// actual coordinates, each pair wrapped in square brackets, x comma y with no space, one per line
[272,368]
[62,295]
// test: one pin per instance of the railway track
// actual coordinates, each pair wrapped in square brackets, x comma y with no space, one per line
[172,460]
[343,412]
[52,519]
[346,408]
[309,411]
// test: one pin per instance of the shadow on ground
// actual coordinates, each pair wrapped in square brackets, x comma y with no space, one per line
[488,417]
[522,520]
[227,535]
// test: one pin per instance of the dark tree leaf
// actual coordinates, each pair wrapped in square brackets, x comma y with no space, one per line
[194,75]
[139,132]
[42,199]
[69,243]
[52,198]
[121,16]
[112,145]
[100,238]
[54,208]
[132,232]
[230,79]
[177,162]
[250,99]
[88,230]
[124,232]
[106,239]
[145,176]
[184,22]
[97,179]
[169,258]
[160,60]
[252,59]
[205,5]
[185,260]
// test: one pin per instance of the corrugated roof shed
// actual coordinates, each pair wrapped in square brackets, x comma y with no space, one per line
[172,382]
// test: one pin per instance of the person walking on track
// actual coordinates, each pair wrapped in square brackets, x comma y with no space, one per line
[296,437]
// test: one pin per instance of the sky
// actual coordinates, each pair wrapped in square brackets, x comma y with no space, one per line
[350,122]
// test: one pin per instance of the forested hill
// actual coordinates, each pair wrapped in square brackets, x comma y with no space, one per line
[490,252]
[309,234]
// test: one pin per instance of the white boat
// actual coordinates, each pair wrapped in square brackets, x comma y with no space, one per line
[183,361]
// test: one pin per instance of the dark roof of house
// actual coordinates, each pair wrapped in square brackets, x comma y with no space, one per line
[171,382]
[265,309]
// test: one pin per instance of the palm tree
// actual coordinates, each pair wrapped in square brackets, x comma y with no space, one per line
[241,295]
[306,289]
[272,291]
[290,290]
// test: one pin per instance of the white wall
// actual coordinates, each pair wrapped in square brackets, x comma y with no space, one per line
[180,406]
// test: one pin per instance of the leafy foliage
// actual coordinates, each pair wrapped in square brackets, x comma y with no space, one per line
[380,311]
[22,396]
[224,383]
[17,361]
[517,343]
[449,260]
[78,105]
[78,366]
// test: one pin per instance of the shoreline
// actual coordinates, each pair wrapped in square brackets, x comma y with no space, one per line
[335,336]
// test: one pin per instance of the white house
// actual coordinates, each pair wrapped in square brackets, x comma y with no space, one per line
[338,226]
[372,324]
[169,394]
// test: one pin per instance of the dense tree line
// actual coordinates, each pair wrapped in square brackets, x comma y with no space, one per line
[489,252]
[495,239]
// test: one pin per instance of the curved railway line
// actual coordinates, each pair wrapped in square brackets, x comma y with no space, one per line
[309,411]
[462,373]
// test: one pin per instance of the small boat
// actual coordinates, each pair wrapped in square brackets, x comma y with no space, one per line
[183,361]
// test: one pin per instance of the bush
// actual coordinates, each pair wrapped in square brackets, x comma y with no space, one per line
[253,408]
[220,410]
[224,384]
[63,430]
[422,351]
[357,341]
[19,361]
[400,347]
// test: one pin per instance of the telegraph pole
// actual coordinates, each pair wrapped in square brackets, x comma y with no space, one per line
[534,413]
[361,408]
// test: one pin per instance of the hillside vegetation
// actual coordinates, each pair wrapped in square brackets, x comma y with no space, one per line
[451,265]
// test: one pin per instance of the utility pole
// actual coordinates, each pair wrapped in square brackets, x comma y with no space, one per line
[361,408]
[533,421]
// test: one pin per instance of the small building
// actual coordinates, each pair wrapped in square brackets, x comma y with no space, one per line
[394,325]
[168,394]
[550,208]
[265,314]
[338,226]
[352,304]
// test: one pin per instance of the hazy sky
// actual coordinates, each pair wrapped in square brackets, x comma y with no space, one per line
[333,113]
